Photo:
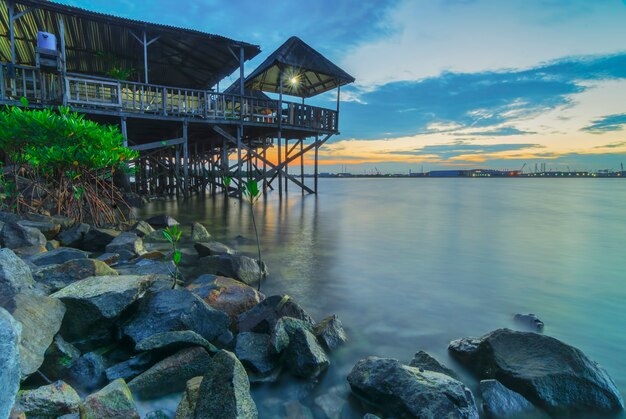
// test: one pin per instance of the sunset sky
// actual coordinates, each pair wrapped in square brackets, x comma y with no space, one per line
[445,83]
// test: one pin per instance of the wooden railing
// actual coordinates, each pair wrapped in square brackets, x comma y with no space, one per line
[20,81]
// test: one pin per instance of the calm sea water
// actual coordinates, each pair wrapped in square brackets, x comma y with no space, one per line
[410,264]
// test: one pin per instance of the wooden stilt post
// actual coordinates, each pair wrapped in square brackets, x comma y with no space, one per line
[264,167]
[302,161]
[124,131]
[286,165]
[315,174]
[279,115]
[185,159]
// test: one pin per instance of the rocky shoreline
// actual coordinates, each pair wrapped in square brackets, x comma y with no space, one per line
[91,319]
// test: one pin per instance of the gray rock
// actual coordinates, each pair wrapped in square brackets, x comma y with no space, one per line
[213,248]
[9,361]
[263,317]
[15,278]
[225,390]
[155,237]
[49,401]
[405,392]
[57,256]
[529,321]
[59,358]
[370,416]
[551,374]
[96,239]
[330,333]
[304,357]
[157,414]
[425,361]
[162,220]
[41,319]
[296,410]
[9,217]
[48,228]
[175,370]
[88,373]
[177,310]
[146,267]
[127,245]
[109,258]
[142,229]
[114,401]
[74,236]
[252,349]
[500,402]
[52,244]
[187,406]
[174,341]
[283,330]
[130,368]
[95,303]
[332,403]
[14,236]
[60,276]
[240,267]
[199,233]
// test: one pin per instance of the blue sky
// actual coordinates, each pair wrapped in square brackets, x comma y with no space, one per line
[446,83]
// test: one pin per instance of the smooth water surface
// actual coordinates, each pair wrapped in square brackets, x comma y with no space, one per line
[410,264]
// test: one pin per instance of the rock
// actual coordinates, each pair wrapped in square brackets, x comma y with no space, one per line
[146,267]
[114,401]
[96,239]
[153,255]
[240,267]
[155,237]
[304,357]
[173,341]
[177,310]
[331,403]
[213,248]
[263,317]
[48,229]
[405,392]
[60,276]
[175,370]
[88,373]
[14,236]
[187,406]
[9,217]
[424,361]
[94,303]
[27,252]
[549,373]
[59,358]
[370,416]
[252,350]
[330,333]
[500,402]
[283,330]
[49,401]
[529,321]
[199,233]
[9,361]
[15,278]
[157,414]
[225,390]
[58,256]
[74,236]
[162,220]
[127,245]
[226,294]
[130,368]
[41,319]
[109,258]
[142,229]
[296,410]
[52,244]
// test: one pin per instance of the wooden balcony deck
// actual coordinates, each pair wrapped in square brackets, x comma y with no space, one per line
[91,94]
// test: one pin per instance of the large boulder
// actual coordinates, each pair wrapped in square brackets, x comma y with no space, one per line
[405,392]
[424,361]
[15,278]
[57,256]
[176,310]
[240,267]
[9,361]
[162,220]
[253,351]
[96,239]
[172,341]
[226,294]
[500,402]
[175,370]
[283,330]
[187,406]
[73,237]
[330,333]
[213,248]
[95,303]
[549,373]
[51,401]
[225,390]
[141,228]
[59,358]
[199,233]
[114,401]
[263,317]
[127,245]
[41,319]
[57,277]
[48,228]
[15,235]
[304,357]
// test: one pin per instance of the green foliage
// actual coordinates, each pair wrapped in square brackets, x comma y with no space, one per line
[119,73]
[227,181]
[252,193]
[251,190]
[173,235]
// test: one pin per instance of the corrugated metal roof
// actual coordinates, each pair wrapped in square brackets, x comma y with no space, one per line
[305,71]
[97,42]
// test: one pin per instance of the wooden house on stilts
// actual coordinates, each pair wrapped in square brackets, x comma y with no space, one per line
[160,84]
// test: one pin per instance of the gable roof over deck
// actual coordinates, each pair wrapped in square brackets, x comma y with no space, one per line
[97,42]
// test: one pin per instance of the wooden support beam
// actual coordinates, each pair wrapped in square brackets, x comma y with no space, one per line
[157,144]
[186,159]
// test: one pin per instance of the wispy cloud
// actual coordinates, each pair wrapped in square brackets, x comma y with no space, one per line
[608,123]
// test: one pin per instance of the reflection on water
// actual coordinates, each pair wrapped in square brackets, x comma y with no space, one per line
[410,264]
